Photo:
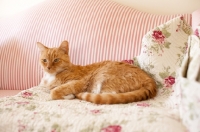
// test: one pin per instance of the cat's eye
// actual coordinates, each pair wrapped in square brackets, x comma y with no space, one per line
[44,60]
[56,60]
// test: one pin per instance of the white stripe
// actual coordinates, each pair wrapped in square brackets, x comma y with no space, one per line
[96,30]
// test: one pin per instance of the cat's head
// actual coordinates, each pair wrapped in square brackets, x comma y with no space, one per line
[54,60]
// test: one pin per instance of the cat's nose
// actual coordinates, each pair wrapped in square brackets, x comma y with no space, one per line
[49,67]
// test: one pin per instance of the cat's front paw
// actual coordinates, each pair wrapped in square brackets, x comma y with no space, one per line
[56,95]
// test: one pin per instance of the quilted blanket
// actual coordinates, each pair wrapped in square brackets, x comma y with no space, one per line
[33,110]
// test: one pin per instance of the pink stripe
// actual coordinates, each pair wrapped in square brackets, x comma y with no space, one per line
[96,30]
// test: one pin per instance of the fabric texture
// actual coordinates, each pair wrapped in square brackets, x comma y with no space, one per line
[191,60]
[163,49]
[96,30]
[189,107]
[189,85]
[33,110]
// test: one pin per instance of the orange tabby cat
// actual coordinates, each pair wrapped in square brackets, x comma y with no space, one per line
[107,82]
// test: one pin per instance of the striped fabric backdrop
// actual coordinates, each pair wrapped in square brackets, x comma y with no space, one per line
[96,30]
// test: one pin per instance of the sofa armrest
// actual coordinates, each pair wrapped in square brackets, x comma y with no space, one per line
[4,93]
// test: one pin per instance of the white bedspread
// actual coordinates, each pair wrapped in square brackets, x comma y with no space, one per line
[33,110]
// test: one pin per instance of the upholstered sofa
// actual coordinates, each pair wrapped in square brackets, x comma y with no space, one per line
[162,45]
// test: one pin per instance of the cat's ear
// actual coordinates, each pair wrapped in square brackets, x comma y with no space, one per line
[64,47]
[41,46]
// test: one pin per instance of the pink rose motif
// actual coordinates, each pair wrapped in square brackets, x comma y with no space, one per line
[128,61]
[22,103]
[8,104]
[112,128]
[143,104]
[95,111]
[21,127]
[169,81]
[181,17]
[158,37]
[196,32]
[26,94]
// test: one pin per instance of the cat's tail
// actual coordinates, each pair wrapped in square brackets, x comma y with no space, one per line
[149,91]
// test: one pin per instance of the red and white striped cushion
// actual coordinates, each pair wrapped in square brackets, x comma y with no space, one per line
[96,30]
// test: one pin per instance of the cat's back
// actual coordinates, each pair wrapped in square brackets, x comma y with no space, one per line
[120,69]
[115,66]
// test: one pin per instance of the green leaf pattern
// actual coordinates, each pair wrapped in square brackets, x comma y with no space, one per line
[40,113]
[159,41]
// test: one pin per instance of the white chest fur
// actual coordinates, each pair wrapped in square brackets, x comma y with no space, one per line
[97,88]
[47,79]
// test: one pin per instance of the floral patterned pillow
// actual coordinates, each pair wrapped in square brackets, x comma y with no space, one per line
[163,49]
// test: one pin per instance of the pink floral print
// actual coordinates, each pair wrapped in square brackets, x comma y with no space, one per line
[22,103]
[128,61]
[26,94]
[143,104]
[95,111]
[182,18]
[196,32]
[169,81]
[21,127]
[159,42]
[112,128]
[158,37]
